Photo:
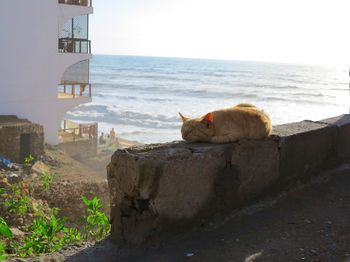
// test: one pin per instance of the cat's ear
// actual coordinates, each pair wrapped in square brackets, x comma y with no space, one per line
[184,118]
[208,118]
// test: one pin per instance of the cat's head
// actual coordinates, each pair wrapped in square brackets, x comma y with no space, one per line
[197,129]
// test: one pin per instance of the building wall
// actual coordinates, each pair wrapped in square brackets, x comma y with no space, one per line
[30,65]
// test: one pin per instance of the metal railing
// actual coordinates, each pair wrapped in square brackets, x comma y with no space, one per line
[74,45]
[76,2]
[72,132]
[74,90]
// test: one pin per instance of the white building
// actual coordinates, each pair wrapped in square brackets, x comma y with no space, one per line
[44,60]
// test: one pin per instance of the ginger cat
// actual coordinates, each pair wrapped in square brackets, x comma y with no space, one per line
[227,125]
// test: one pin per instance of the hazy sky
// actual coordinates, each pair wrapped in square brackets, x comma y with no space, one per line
[301,31]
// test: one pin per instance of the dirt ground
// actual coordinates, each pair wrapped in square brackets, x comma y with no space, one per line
[98,163]
[311,223]
[63,167]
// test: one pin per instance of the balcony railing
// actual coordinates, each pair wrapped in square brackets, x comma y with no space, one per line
[72,132]
[69,90]
[76,2]
[74,45]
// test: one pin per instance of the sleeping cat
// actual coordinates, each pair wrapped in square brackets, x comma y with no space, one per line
[227,125]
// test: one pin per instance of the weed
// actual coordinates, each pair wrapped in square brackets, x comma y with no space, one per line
[97,224]
[45,236]
[48,233]
[4,229]
[5,232]
[46,180]
[17,200]
[28,159]
[2,251]
[71,236]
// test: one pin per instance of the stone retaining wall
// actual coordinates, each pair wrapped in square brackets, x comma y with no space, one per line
[11,130]
[157,187]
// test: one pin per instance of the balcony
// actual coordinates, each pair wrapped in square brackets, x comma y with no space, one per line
[75,82]
[74,45]
[69,90]
[76,2]
[74,36]
[73,132]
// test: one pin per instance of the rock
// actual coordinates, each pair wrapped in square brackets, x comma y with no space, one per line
[39,168]
[17,234]
[314,252]
[14,178]
[4,183]
[19,221]
[308,221]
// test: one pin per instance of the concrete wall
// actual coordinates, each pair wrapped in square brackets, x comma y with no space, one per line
[157,187]
[30,65]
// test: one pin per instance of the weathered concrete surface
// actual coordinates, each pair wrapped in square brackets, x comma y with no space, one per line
[156,187]
[342,137]
[305,148]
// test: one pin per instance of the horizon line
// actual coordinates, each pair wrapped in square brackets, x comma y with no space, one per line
[227,60]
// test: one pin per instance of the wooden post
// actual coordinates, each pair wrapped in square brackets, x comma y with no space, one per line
[90,90]
[64,87]
[73,90]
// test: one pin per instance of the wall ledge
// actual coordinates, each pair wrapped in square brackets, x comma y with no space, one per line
[157,187]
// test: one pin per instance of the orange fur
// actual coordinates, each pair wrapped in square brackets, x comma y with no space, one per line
[228,125]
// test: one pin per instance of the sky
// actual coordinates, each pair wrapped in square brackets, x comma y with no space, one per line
[288,31]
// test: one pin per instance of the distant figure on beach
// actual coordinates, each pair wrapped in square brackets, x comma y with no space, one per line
[227,125]
[112,137]
[102,139]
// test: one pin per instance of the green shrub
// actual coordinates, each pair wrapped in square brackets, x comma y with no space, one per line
[45,236]
[71,236]
[48,233]
[4,229]
[16,199]
[46,180]
[28,160]
[97,224]
[2,251]
[5,232]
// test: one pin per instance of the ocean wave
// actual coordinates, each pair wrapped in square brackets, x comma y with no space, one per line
[114,115]
[143,93]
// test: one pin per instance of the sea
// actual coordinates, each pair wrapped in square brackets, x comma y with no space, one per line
[141,97]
